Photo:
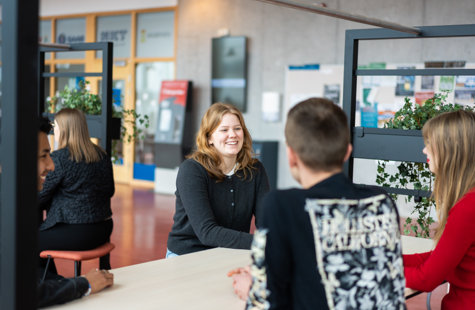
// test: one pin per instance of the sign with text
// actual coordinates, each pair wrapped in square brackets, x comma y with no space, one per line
[70,31]
[171,111]
[115,29]
[156,34]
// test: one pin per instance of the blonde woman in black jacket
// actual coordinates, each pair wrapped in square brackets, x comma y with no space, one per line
[77,194]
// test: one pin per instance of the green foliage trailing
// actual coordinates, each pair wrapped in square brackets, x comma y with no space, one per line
[80,98]
[415,175]
[77,98]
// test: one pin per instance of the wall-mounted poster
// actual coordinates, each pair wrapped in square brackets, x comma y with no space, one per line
[446,83]
[229,71]
[427,82]
[332,92]
[171,111]
[465,82]
[270,109]
[464,97]
[422,96]
[405,84]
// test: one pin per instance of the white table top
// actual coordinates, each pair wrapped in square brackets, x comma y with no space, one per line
[411,245]
[193,281]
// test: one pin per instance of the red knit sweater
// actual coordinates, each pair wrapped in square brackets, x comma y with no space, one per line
[452,260]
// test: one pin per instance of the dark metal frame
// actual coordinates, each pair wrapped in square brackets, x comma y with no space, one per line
[100,126]
[18,149]
[390,144]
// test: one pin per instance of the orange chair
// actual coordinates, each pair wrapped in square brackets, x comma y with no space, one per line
[102,252]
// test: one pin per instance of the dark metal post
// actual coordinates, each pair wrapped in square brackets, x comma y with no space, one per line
[19,132]
[107,95]
[349,91]
[41,83]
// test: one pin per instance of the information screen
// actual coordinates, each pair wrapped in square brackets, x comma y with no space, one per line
[229,71]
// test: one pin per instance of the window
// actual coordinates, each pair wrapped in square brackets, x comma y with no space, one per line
[156,34]
[71,30]
[115,29]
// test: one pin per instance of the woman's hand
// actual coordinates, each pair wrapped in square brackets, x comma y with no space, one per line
[242,281]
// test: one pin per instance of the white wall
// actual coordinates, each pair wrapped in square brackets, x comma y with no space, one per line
[279,37]
[65,7]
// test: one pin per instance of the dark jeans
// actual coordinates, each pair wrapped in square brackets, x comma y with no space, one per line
[74,237]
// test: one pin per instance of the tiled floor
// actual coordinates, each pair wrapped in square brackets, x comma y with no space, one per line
[142,220]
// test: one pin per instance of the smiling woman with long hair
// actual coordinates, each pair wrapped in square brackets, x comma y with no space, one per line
[219,187]
[450,150]
[77,194]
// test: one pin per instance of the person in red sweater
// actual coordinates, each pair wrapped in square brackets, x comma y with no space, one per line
[450,147]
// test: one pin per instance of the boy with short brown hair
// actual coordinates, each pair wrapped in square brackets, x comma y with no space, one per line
[331,244]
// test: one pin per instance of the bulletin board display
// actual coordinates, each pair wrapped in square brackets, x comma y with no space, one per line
[304,82]
[378,97]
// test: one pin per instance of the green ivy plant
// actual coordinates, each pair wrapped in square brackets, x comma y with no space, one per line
[415,175]
[80,98]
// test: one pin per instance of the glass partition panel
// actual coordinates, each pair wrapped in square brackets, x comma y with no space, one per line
[70,82]
[378,98]
[415,51]
[118,91]
[149,77]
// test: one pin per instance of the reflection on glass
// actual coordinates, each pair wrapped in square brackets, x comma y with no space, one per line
[118,91]
[149,77]
[71,82]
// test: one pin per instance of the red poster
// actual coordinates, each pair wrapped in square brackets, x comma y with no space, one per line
[171,111]
[422,96]
[178,90]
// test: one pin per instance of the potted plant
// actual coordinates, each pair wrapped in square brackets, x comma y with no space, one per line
[124,122]
[415,175]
